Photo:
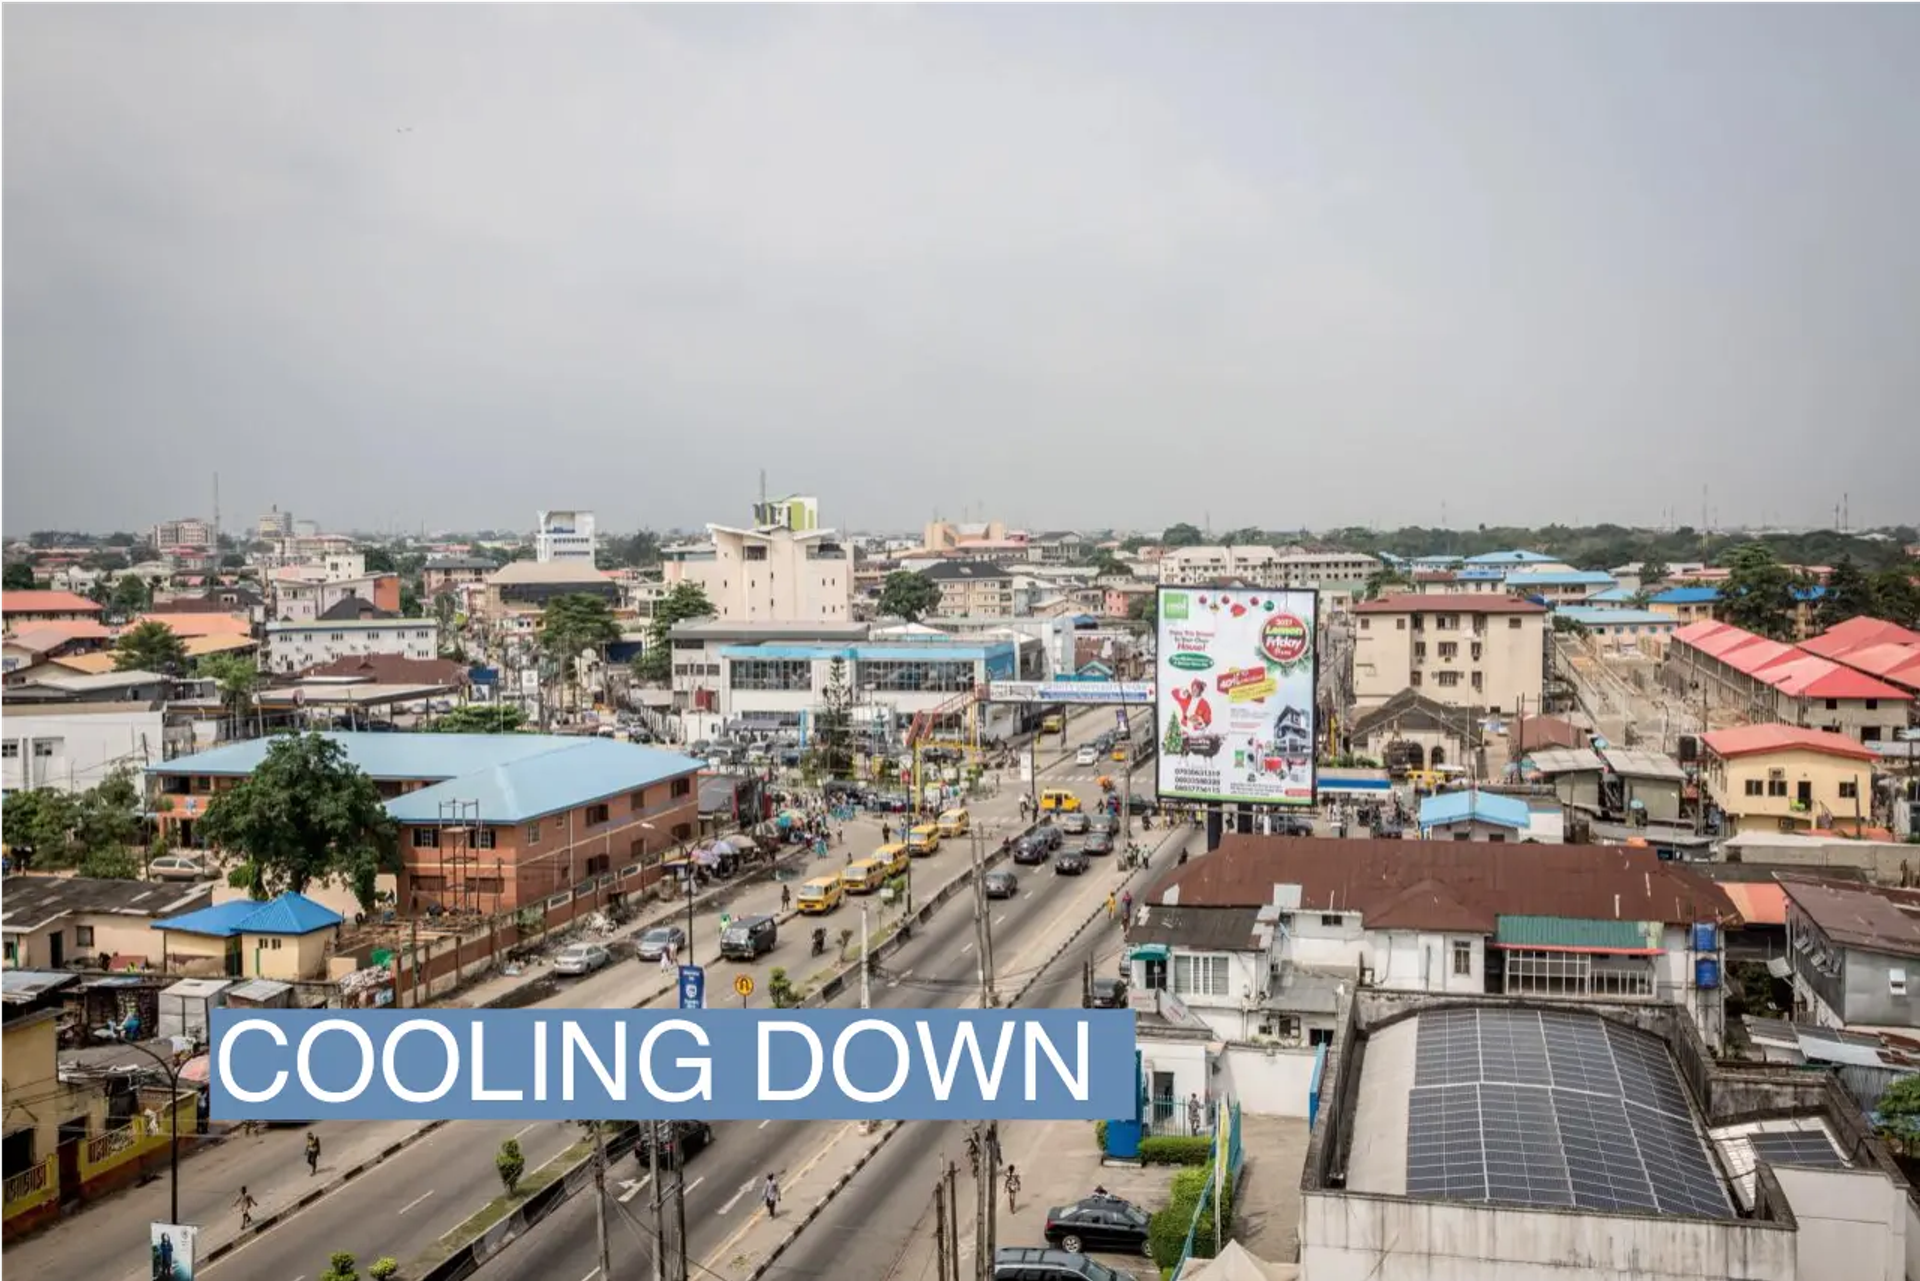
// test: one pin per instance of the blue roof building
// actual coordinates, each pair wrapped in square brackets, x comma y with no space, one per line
[1630,622]
[287,938]
[1687,596]
[1526,578]
[290,914]
[1512,558]
[1474,806]
[1611,596]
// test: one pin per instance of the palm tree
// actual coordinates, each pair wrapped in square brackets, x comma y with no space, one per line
[150,647]
[236,678]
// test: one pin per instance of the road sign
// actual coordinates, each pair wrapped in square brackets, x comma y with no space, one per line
[743,984]
[693,988]
[1120,718]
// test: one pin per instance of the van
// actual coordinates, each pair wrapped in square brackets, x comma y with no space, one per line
[863,876]
[818,896]
[955,822]
[1053,723]
[1058,800]
[749,938]
[892,857]
[924,839]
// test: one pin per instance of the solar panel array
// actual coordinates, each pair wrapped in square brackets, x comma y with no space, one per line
[1796,1147]
[1553,1107]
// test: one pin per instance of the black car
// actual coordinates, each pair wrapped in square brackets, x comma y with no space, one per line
[1069,863]
[1075,823]
[1000,883]
[1030,1263]
[1102,1223]
[1107,994]
[889,802]
[1031,850]
[1048,835]
[1138,804]
[686,1137]
[1097,843]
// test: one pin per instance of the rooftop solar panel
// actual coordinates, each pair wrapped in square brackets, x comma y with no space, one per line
[1797,1147]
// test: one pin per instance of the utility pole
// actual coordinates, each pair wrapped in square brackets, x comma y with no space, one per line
[600,1195]
[982,928]
[681,1264]
[659,1224]
[986,1176]
[1126,794]
[866,962]
[993,1199]
[953,1222]
[940,1229]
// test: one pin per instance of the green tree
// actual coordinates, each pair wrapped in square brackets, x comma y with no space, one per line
[410,604]
[1899,1111]
[574,623]
[236,679]
[107,826]
[379,560]
[446,611]
[479,718]
[384,1268]
[19,576]
[635,549]
[1182,535]
[683,602]
[341,1266]
[909,596]
[1145,608]
[1653,573]
[833,727]
[1758,592]
[304,814]
[1387,580]
[39,827]
[150,647]
[1849,594]
[1897,596]
[130,595]
[510,1163]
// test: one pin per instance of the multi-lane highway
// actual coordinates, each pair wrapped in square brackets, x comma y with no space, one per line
[403,1206]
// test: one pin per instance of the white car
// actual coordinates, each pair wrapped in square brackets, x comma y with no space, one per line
[176,867]
[1086,756]
[581,958]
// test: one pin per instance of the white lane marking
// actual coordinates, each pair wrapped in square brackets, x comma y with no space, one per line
[631,1188]
[416,1201]
[1028,894]
[523,1129]
[696,1183]
[591,1275]
[734,1200]
[1000,919]
[966,949]
[764,1124]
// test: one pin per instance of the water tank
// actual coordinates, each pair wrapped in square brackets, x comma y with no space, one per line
[1706,972]
[1706,937]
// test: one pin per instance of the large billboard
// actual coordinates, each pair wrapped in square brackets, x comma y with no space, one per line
[1234,705]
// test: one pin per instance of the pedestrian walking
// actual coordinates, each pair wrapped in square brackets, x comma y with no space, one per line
[313,1154]
[1111,906]
[786,897]
[1193,1113]
[245,1203]
[1013,1190]
[1126,905]
[770,1194]
[886,833]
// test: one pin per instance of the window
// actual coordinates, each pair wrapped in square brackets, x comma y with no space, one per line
[788,674]
[1413,678]
[10,750]
[1849,789]
[1513,624]
[1449,649]
[1449,679]
[1754,787]
[1478,680]
[637,802]
[339,636]
[1873,704]
[1366,624]
[1332,920]
[682,787]
[596,814]
[426,838]
[1320,1036]
[599,864]
[1776,787]
[43,748]
[1400,624]
[1199,975]
[483,838]
[83,936]
[1833,704]
[533,832]
[1533,973]
[683,831]
[1419,649]
[1897,981]
[1462,957]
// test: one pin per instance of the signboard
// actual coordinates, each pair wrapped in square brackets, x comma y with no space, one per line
[171,1246]
[1234,715]
[1139,693]
[693,987]
[743,984]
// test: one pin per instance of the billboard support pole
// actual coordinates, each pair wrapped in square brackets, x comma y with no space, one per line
[1126,793]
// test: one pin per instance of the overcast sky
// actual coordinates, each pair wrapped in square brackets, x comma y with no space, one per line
[1071,266]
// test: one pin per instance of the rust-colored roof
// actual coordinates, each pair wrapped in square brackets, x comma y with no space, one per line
[1758,902]
[392,669]
[39,602]
[1748,740]
[1856,915]
[1447,885]
[185,625]
[1545,731]
[1449,603]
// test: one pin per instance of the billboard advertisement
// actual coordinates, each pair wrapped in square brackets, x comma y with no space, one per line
[1234,706]
[171,1246]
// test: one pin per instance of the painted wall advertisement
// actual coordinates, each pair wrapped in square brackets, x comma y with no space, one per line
[1235,695]
[172,1248]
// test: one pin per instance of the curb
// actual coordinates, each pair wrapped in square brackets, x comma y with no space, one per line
[334,1184]
[785,1243]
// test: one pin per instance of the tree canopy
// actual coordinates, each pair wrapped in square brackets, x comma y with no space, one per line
[150,647]
[236,678]
[908,595]
[1849,594]
[833,727]
[1182,535]
[94,831]
[1145,608]
[684,601]
[304,814]
[574,623]
[1758,593]
[19,576]
[479,718]
[130,595]
[379,560]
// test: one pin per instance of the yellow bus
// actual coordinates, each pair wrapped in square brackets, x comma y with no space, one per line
[864,876]
[955,822]
[892,857]
[924,839]
[1053,722]
[818,896]
[1058,799]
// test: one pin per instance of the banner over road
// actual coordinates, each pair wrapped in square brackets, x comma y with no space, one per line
[1097,693]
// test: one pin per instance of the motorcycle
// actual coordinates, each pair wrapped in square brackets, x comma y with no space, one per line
[819,942]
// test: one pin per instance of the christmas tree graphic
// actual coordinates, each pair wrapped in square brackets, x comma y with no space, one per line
[1174,743]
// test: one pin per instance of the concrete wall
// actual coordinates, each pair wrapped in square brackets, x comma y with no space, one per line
[1852,1224]
[1267,1079]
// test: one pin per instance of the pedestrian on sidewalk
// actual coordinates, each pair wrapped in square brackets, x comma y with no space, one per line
[1111,905]
[245,1203]
[886,833]
[313,1154]
[771,1195]
[786,897]
[1193,1113]
[1126,906]
[1013,1190]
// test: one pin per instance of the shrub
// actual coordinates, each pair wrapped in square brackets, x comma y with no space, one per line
[1174,1149]
[384,1269]
[1100,1136]
[1167,1230]
[780,989]
[510,1164]
[340,1267]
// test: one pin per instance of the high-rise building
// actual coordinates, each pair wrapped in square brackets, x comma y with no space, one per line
[566,537]
[775,572]
[275,524]
[176,535]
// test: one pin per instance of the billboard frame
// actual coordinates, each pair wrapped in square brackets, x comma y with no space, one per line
[1163,697]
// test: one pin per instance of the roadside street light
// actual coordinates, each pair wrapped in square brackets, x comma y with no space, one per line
[173,1125]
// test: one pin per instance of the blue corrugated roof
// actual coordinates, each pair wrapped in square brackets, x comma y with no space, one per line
[1687,596]
[1613,595]
[577,771]
[385,756]
[1487,807]
[1558,578]
[289,914]
[1595,616]
[1510,558]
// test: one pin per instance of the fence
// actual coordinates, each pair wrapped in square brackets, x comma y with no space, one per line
[1227,1135]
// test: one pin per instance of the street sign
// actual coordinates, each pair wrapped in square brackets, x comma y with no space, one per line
[743,984]
[693,988]
[1120,718]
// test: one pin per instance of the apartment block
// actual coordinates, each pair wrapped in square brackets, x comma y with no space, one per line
[1461,650]
[769,574]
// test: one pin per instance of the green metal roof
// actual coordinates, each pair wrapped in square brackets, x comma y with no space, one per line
[1575,934]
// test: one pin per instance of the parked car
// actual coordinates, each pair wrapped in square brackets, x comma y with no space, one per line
[1030,1263]
[1069,863]
[690,1137]
[1104,1223]
[176,867]
[1138,804]
[1076,823]
[651,945]
[890,802]
[1104,823]
[1086,756]
[1000,883]
[1031,850]
[1097,843]
[1107,994]
[581,958]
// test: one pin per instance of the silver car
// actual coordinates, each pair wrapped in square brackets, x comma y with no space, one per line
[658,941]
[581,958]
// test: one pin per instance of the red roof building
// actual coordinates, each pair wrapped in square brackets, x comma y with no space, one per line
[1747,740]
[30,608]
[1765,680]
[1449,603]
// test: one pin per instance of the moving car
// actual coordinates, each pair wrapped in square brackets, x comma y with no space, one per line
[581,958]
[1108,994]
[1031,849]
[818,896]
[176,867]
[955,822]
[1104,823]
[688,1137]
[655,943]
[1104,1223]
[1119,751]
[1086,756]
[863,876]
[1000,883]
[1048,835]
[1076,823]
[749,938]
[1139,804]
[892,857]
[924,839]
[1069,863]
[1030,1263]
[1097,843]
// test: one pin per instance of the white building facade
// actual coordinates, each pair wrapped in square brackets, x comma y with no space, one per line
[74,746]
[566,536]
[294,647]
[769,575]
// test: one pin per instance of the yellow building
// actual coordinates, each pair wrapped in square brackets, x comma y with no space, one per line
[1783,778]
[289,938]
